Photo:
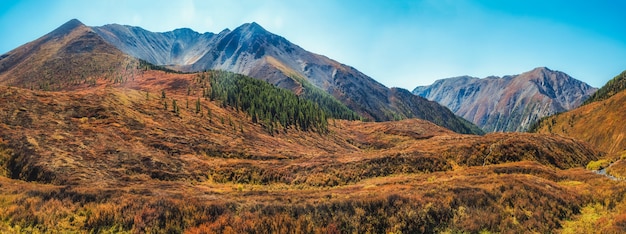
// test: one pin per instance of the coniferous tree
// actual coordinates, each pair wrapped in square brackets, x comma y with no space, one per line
[175,107]
[271,106]
[198,106]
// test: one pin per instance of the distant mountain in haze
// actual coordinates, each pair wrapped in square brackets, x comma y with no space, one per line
[509,103]
[253,51]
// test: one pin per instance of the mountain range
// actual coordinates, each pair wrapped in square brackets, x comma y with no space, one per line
[248,50]
[253,51]
[509,103]
[95,138]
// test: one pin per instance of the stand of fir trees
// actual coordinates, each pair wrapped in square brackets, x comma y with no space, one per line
[273,107]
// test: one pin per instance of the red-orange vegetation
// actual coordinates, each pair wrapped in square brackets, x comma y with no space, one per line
[111,158]
[598,123]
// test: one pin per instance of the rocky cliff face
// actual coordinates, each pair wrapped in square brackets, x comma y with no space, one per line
[181,46]
[509,103]
[253,51]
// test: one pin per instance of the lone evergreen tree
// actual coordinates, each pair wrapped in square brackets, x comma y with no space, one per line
[175,107]
[198,106]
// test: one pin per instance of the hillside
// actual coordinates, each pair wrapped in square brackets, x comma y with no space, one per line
[111,157]
[75,55]
[509,103]
[140,148]
[599,122]
[614,86]
[113,149]
[72,55]
[253,51]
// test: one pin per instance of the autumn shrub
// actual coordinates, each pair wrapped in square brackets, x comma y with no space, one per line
[5,155]
[331,174]
[620,222]
[598,165]
[549,150]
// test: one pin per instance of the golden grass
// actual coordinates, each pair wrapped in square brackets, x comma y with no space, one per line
[113,160]
[598,123]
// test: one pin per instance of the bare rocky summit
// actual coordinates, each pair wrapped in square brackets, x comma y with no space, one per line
[509,103]
[251,50]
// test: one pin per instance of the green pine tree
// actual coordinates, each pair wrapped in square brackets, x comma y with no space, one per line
[175,107]
[198,106]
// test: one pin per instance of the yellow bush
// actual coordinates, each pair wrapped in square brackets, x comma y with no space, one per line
[598,165]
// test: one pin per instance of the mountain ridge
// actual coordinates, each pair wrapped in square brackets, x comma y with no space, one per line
[508,103]
[71,54]
[253,51]
[135,147]
[612,87]
[599,122]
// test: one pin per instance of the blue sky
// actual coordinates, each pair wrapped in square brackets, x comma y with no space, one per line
[398,43]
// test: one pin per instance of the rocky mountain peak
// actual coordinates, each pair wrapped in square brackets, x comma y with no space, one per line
[510,103]
[185,32]
[251,50]
[224,31]
[252,31]
[66,28]
[545,72]
[253,27]
[542,69]
[71,24]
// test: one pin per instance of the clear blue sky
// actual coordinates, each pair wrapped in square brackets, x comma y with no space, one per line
[398,43]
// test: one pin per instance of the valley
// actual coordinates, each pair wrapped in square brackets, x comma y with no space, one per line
[111,158]
[98,136]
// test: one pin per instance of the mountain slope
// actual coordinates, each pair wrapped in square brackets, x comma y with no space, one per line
[129,154]
[71,55]
[612,87]
[111,158]
[148,152]
[251,50]
[509,103]
[181,46]
[601,123]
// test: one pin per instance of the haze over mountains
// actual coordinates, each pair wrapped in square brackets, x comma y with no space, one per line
[509,103]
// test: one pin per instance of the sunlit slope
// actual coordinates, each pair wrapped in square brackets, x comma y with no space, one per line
[601,123]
